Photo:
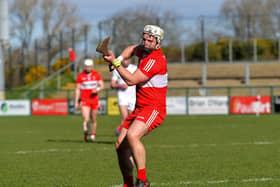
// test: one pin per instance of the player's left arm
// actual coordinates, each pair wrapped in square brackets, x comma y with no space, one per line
[100,85]
[132,78]
[99,88]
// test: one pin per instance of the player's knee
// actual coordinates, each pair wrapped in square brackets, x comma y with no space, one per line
[131,136]
[86,119]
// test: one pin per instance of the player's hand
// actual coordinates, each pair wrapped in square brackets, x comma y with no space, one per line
[94,90]
[123,86]
[110,58]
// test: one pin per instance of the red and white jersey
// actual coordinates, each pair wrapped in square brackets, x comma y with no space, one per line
[153,91]
[88,83]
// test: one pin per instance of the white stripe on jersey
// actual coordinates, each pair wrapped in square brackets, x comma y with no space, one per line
[157,81]
[152,118]
[89,85]
[149,65]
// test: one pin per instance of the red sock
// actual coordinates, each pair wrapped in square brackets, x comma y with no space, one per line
[119,128]
[142,174]
[128,181]
[93,134]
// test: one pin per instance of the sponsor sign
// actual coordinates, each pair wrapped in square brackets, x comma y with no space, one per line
[113,107]
[208,105]
[176,105]
[14,107]
[250,105]
[49,107]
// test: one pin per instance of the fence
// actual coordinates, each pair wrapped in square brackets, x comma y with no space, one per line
[203,100]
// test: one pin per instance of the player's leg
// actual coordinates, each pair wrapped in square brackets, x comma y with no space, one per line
[124,114]
[86,116]
[93,123]
[125,158]
[135,132]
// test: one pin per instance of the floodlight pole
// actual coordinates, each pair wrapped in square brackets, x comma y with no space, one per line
[4,38]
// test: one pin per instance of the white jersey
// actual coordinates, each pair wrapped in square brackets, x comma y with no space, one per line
[127,96]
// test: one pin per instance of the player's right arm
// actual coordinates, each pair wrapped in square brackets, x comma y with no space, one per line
[77,95]
[115,85]
[129,51]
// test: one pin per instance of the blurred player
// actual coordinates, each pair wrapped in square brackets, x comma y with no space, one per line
[257,105]
[126,94]
[151,86]
[89,83]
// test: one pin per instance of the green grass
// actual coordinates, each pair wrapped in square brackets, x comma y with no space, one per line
[221,151]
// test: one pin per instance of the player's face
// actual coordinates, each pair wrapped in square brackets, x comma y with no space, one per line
[88,69]
[149,41]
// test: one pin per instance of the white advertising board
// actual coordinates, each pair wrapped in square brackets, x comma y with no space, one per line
[208,105]
[15,107]
[176,105]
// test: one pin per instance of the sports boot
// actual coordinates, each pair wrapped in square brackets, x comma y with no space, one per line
[140,183]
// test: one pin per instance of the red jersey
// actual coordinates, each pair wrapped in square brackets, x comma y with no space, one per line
[88,83]
[152,92]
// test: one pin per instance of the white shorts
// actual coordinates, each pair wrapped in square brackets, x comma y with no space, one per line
[129,102]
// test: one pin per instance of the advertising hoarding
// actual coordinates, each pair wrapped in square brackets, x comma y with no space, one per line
[15,107]
[208,105]
[49,107]
[250,105]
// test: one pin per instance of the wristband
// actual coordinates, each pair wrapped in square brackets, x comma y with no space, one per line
[116,63]
[120,58]
[98,89]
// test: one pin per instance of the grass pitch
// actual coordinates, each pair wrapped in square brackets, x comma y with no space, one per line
[221,151]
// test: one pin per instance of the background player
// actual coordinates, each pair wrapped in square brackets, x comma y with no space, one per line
[151,86]
[257,105]
[126,94]
[89,83]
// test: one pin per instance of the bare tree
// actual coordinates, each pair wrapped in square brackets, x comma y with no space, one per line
[126,26]
[57,17]
[252,18]
[24,15]
[45,20]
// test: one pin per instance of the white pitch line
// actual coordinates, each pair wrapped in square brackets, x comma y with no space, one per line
[212,145]
[155,146]
[49,151]
[224,181]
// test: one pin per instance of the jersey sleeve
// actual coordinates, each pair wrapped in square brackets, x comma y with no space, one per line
[114,75]
[150,67]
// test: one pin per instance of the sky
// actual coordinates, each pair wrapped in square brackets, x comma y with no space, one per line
[95,10]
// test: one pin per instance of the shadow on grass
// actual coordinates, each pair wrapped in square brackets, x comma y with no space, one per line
[65,141]
[80,141]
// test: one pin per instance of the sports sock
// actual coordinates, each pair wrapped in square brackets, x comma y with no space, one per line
[119,128]
[92,134]
[141,174]
[85,127]
[128,181]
